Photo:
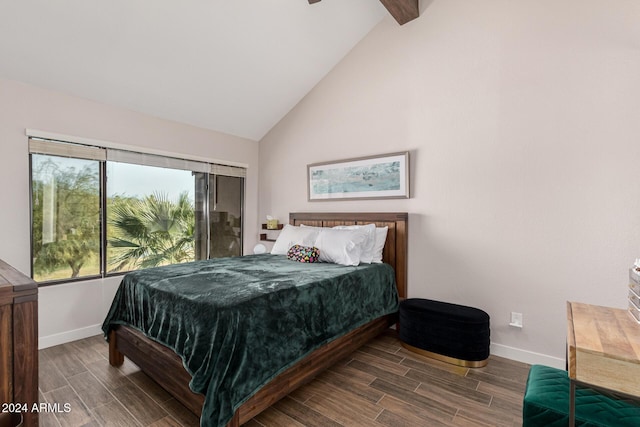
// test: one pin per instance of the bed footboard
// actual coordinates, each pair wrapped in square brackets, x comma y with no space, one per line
[156,360]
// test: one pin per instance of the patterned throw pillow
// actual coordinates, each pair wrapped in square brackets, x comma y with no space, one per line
[303,253]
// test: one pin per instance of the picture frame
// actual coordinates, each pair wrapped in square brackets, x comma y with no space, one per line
[373,177]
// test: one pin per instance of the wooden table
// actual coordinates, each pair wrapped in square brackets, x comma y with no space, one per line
[603,350]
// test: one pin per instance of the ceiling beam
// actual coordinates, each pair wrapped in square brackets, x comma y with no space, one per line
[402,10]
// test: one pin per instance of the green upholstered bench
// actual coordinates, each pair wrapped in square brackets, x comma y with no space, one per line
[546,403]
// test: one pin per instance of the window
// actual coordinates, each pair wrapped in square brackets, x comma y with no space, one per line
[225,214]
[98,211]
[150,216]
[66,228]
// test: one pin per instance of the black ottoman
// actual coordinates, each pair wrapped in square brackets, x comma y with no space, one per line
[449,332]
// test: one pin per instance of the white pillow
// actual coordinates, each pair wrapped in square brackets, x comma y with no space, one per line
[381,237]
[366,256]
[291,235]
[341,246]
[313,227]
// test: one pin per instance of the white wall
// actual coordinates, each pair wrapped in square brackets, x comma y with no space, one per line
[523,123]
[76,310]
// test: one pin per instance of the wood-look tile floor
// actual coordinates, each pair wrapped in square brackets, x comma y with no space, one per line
[381,384]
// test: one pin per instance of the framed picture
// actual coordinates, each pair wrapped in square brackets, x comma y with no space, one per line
[373,177]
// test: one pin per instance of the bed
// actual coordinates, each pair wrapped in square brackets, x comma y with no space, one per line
[158,357]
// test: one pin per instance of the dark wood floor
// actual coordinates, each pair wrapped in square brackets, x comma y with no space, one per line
[382,384]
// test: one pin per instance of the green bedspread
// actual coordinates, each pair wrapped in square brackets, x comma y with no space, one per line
[238,322]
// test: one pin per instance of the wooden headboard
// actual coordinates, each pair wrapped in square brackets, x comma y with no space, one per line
[395,248]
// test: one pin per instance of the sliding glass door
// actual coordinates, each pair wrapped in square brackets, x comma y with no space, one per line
[226,195]
[221,196]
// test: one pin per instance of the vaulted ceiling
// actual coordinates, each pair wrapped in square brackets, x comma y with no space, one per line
[232,66]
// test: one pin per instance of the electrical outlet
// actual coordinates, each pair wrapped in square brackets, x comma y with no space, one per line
[516,320]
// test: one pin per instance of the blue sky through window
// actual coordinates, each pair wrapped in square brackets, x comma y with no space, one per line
[130,180]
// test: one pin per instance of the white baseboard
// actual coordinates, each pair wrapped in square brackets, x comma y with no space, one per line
[525,356]
[68,336]
[512,353]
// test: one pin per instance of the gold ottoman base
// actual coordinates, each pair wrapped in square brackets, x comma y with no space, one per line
[447,359]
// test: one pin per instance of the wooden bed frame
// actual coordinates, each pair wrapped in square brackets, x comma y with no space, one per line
[166,368]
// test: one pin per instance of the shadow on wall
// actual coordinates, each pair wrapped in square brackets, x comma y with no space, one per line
[424,5]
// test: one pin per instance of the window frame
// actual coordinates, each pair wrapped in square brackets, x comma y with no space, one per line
[209,168]
[102,240]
